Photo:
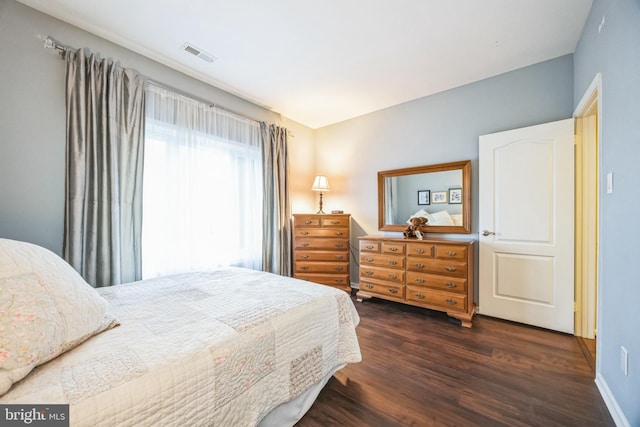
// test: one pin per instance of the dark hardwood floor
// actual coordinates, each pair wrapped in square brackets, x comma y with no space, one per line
[420,368]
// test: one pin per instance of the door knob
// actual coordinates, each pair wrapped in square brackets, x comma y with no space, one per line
[487,233]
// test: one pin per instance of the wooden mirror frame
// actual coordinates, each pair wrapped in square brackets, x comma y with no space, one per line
[464,166]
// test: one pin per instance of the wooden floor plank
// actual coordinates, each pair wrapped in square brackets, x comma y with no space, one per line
[420,368]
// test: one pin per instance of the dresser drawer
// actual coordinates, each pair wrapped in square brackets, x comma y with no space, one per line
[451,252]
[337,221]
[380,260]
[388,274]
[387,289]
[369,246]
[422,250]
[448,268]
[321,267]
[321,232]
[303,255]
[392,248]
[327,244]
[337,280]
[416,264]
[448,301]
[452,284]
[306,221]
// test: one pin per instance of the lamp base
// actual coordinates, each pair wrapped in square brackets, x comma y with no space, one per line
[320,211]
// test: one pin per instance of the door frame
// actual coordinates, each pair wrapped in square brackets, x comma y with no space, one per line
[586,312]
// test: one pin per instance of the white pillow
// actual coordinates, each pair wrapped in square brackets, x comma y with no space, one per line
[441,218]
[46,308]
[457,219]
[430,218]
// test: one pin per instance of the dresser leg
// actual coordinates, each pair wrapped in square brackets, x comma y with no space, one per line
[465,323]
[465,318]
[361,297]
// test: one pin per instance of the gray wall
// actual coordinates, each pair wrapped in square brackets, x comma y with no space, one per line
[615,53]
[441,128]
[32,117]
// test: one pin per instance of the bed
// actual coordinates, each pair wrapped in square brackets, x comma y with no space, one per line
[229,347]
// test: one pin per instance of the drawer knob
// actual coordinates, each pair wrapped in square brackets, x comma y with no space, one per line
[393,262]
[393,276]
[368,286]
[451,253]
[304,267]
[420,251]
[393,291]
[419,265]
[305,245]
[369,246]
[304,256]
[369,273]
[419,280]
[420,296]
[339,245]
[338,280]
[450,285]
[338,233]
[305,233]
[393,249]
[339,268]
[450,301]
[308,222]
[451,269]
[369,259]
[339,257]
[335,222]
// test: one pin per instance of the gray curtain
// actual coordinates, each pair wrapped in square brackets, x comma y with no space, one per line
[104,157]
[276,256]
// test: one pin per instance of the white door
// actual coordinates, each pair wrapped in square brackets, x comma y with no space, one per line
[526,189]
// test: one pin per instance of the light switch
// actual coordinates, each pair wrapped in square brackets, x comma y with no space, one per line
[610,182]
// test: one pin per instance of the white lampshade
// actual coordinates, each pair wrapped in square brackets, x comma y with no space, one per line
[321,183]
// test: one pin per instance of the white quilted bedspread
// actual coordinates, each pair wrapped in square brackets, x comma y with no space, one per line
[216,348]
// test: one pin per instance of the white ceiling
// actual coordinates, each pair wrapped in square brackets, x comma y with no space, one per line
[321,62]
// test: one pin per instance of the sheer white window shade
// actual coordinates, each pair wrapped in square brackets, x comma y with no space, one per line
[202,194]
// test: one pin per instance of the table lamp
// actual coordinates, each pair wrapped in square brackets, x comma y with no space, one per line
[320,184]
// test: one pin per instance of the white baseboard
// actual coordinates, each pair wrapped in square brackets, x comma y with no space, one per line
[612,404]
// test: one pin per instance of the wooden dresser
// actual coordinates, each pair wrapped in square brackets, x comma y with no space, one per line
[321,249]
[435,274]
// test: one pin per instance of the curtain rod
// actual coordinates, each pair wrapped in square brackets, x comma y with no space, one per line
[61,49]
[196,98]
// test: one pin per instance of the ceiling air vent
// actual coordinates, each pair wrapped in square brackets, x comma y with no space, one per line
[188,47]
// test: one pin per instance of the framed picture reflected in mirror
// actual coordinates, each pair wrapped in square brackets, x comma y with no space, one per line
[455,196]
[439,197]
[424,197]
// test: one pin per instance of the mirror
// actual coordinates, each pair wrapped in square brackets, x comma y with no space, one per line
[443,191]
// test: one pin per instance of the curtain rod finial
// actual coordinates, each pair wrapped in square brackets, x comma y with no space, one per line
[49,43]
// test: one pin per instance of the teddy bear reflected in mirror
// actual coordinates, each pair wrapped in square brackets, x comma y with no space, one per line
[414,227]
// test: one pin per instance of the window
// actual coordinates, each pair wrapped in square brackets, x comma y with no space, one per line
[202,191]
